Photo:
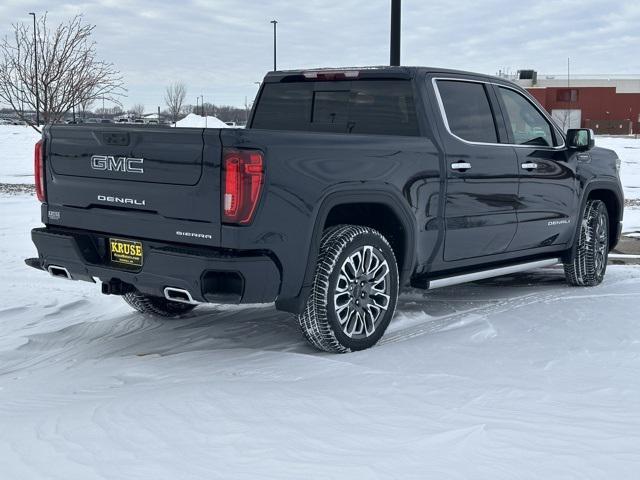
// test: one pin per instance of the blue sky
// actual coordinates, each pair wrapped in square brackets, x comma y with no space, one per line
[219,48]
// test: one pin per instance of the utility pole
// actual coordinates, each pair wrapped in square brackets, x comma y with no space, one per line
[275,22]
[35,58]
[394,57]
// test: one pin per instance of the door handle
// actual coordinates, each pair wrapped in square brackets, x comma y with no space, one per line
[460,166]
[529,165]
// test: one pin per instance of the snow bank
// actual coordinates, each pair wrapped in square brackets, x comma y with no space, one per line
[628,149]
[197,121]
[519,377]
[631,220]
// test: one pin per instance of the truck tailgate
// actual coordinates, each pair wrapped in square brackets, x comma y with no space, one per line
[154,182]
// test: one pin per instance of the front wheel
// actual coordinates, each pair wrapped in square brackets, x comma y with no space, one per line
[588,263]
[354,292]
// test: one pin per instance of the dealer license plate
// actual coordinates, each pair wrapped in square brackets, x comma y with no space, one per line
[125,252]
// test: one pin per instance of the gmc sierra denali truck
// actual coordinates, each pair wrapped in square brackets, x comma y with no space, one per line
[346,186]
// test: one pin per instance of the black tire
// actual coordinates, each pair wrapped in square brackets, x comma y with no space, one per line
[589,262]
[361,291]
[157,306]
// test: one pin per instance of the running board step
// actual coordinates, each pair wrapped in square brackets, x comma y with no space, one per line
[494,272]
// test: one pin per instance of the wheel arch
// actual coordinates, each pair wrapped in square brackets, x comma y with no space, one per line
[611,195]
[378,208]
[614,209]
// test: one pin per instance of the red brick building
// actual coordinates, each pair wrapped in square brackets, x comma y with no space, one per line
[603,109]
[609,104]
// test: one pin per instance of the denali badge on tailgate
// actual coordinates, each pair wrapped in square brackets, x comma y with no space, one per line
[122,200]
[117,164]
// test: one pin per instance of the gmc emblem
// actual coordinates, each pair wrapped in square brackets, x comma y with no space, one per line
[117,164]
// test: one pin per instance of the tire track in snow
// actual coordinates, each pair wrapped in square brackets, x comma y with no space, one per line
[478,314]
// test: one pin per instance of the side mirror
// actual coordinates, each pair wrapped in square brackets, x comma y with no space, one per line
[580,138]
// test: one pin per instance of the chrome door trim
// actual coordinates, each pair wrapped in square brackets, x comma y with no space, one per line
[529,166]
[460,166]
[443,115]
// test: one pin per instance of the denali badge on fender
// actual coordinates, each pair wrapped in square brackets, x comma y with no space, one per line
[117,164]
[552,223]
[123,200]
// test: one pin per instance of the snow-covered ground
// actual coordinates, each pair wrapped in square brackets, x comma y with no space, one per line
[16,153]
[519,377]
[628,149]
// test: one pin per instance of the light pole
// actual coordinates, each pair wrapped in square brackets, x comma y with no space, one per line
[394,59]
[275,22]
[35,58]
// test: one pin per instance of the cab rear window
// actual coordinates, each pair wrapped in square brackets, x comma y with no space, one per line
[376,107]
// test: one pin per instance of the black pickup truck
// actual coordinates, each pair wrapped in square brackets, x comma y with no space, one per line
[346,186]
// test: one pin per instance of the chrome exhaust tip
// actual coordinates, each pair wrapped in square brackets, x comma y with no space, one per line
[179,295]
[59,272]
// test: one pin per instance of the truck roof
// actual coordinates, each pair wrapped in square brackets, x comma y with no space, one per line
[383,71]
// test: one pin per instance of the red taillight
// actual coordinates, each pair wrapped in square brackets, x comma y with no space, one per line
[38,170]
[242,179]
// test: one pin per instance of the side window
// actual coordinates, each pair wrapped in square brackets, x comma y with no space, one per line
[468,111]
[528,126]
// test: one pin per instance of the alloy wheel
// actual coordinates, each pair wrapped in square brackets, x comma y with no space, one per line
[362,292]
[601,243]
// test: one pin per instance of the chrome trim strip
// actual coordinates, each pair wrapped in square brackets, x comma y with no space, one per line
[190,300]
[443,114]
[461,166]
[494,272]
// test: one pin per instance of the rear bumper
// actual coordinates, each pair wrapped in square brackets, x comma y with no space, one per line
[208,274]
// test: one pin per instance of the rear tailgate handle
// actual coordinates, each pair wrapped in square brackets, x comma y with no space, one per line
[529,166]
[115,138]
[461,166]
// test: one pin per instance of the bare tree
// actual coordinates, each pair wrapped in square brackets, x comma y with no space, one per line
[85,106]
[174,98]
[69,72]
[109,111]
[137,110]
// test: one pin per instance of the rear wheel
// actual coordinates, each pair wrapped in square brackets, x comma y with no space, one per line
[158,306]
[589,262]
[354,293]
